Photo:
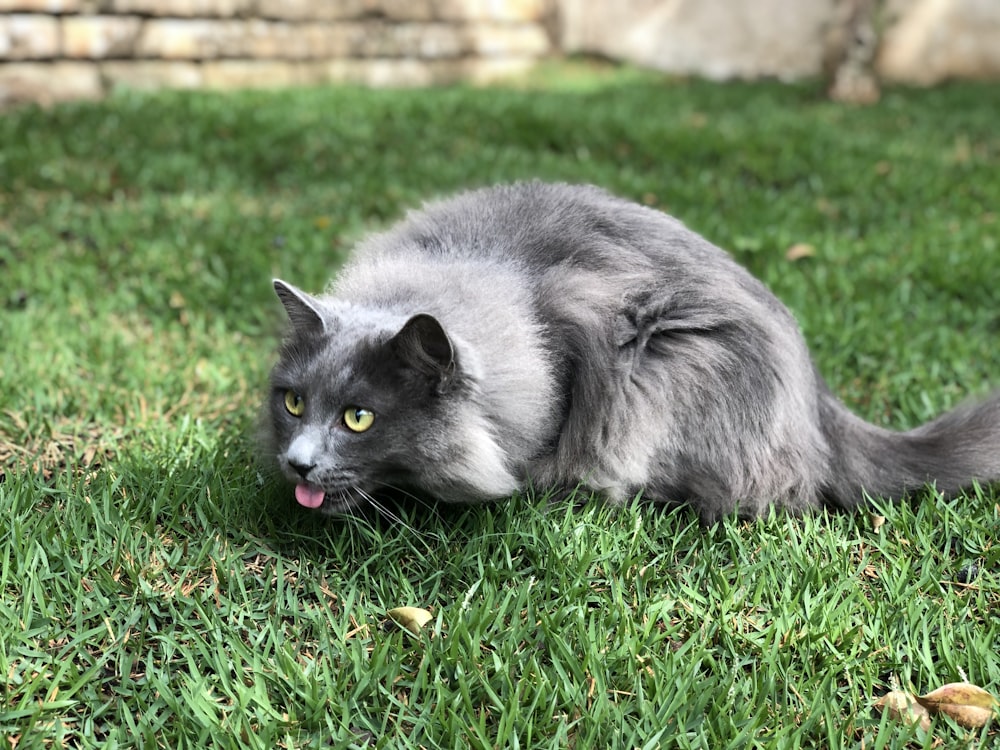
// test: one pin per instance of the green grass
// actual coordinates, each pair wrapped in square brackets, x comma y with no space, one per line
[158,588]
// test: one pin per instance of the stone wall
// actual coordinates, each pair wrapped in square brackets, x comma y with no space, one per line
[921,41]
[928,41]
[69,49]
[719,39]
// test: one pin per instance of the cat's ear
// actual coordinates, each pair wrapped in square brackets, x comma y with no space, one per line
[304,311]
[423,345]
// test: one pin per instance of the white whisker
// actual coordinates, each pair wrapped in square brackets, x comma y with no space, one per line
[418,499]
[384,511]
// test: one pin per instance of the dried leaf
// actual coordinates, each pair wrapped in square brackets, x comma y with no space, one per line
[411,618]
[800,250]
[968,704]
[903,706]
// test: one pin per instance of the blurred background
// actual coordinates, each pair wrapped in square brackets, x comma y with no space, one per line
[52,50]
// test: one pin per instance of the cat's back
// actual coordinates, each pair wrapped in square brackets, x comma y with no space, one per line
[534,225]
[574,260]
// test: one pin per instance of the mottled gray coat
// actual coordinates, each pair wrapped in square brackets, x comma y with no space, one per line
[558,337]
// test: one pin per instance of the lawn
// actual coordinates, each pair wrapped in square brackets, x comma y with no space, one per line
[158,586]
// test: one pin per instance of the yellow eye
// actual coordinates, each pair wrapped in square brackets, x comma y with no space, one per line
[357,419]
[295,404]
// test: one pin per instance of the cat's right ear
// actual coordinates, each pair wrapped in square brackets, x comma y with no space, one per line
[304,311]
[423,345]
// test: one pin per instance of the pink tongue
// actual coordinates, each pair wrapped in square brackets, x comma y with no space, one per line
[311,497]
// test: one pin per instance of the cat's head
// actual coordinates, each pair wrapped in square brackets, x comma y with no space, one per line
[362,399]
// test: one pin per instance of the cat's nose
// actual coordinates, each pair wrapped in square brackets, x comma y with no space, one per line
[301,468]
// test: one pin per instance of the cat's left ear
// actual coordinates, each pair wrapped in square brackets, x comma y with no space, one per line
[303,310]
[423,345]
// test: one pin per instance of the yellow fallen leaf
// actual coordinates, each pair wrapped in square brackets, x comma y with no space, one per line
[411,618]
[968,704]
[800,250]
[903,706]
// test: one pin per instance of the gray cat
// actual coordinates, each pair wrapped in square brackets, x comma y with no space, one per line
[556,337]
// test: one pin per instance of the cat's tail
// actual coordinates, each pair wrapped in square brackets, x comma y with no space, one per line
[951,452]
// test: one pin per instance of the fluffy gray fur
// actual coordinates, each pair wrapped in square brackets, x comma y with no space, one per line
[558,337]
